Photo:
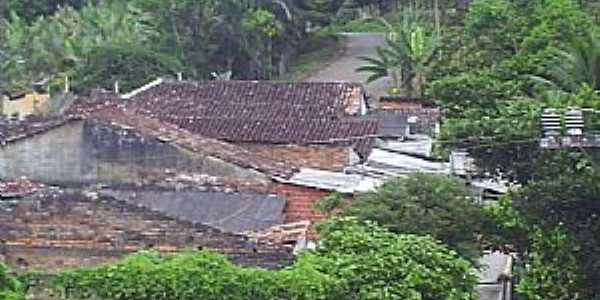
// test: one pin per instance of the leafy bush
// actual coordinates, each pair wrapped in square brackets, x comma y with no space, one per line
[424,204]
[566,196]
[361,25]
[481,90]
[551,271]
[194,275]
[374,263]
[354,261]
[10,288]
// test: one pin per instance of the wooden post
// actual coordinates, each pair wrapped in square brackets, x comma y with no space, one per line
[117,87]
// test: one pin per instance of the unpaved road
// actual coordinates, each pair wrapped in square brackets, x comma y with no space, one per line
[344,67]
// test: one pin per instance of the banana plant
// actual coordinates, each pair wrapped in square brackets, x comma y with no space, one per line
[55,46]
[406,57]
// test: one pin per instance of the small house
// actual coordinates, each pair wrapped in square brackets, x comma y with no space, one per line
[23,105]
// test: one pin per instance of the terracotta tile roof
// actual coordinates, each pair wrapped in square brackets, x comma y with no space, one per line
[97,100]
[13,130]
[204,116]
[51,225]
[283,131]
[262,112]
[331,97]
[18,188]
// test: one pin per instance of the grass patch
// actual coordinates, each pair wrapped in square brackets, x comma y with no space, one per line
[318,50]
[374,25]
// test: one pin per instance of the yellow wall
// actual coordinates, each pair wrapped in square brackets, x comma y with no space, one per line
[30,104]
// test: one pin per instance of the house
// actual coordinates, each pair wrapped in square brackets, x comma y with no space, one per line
[172,133]
[23,105]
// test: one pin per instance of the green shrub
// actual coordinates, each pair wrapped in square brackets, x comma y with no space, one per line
[10,288]
[355,260]
[361,25]
[425,204]
[374,263]
[193,275]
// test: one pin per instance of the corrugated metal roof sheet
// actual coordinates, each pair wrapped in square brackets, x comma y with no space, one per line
[403,164]
[334,181]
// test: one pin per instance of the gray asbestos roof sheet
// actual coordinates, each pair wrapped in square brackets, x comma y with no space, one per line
[232,212]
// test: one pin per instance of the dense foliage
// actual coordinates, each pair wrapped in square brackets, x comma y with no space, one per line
[506,62]
[567,201]
[492,68]
[375,263]
[354,261]
[10,288]
[554,221]
[195,275]
[250,39]
[425,204]
[132,67]
[491,89]
[54,47]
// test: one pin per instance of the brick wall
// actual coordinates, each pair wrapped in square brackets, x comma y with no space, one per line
[332,158]
[300,202]
[58,230]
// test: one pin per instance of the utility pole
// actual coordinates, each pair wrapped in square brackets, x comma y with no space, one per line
[3,80]
[438,27]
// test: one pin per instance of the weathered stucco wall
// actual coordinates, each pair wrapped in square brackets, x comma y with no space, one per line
[95,152]
[58,155]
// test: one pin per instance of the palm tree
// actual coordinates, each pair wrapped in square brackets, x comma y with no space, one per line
[576,65]
[406,57]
